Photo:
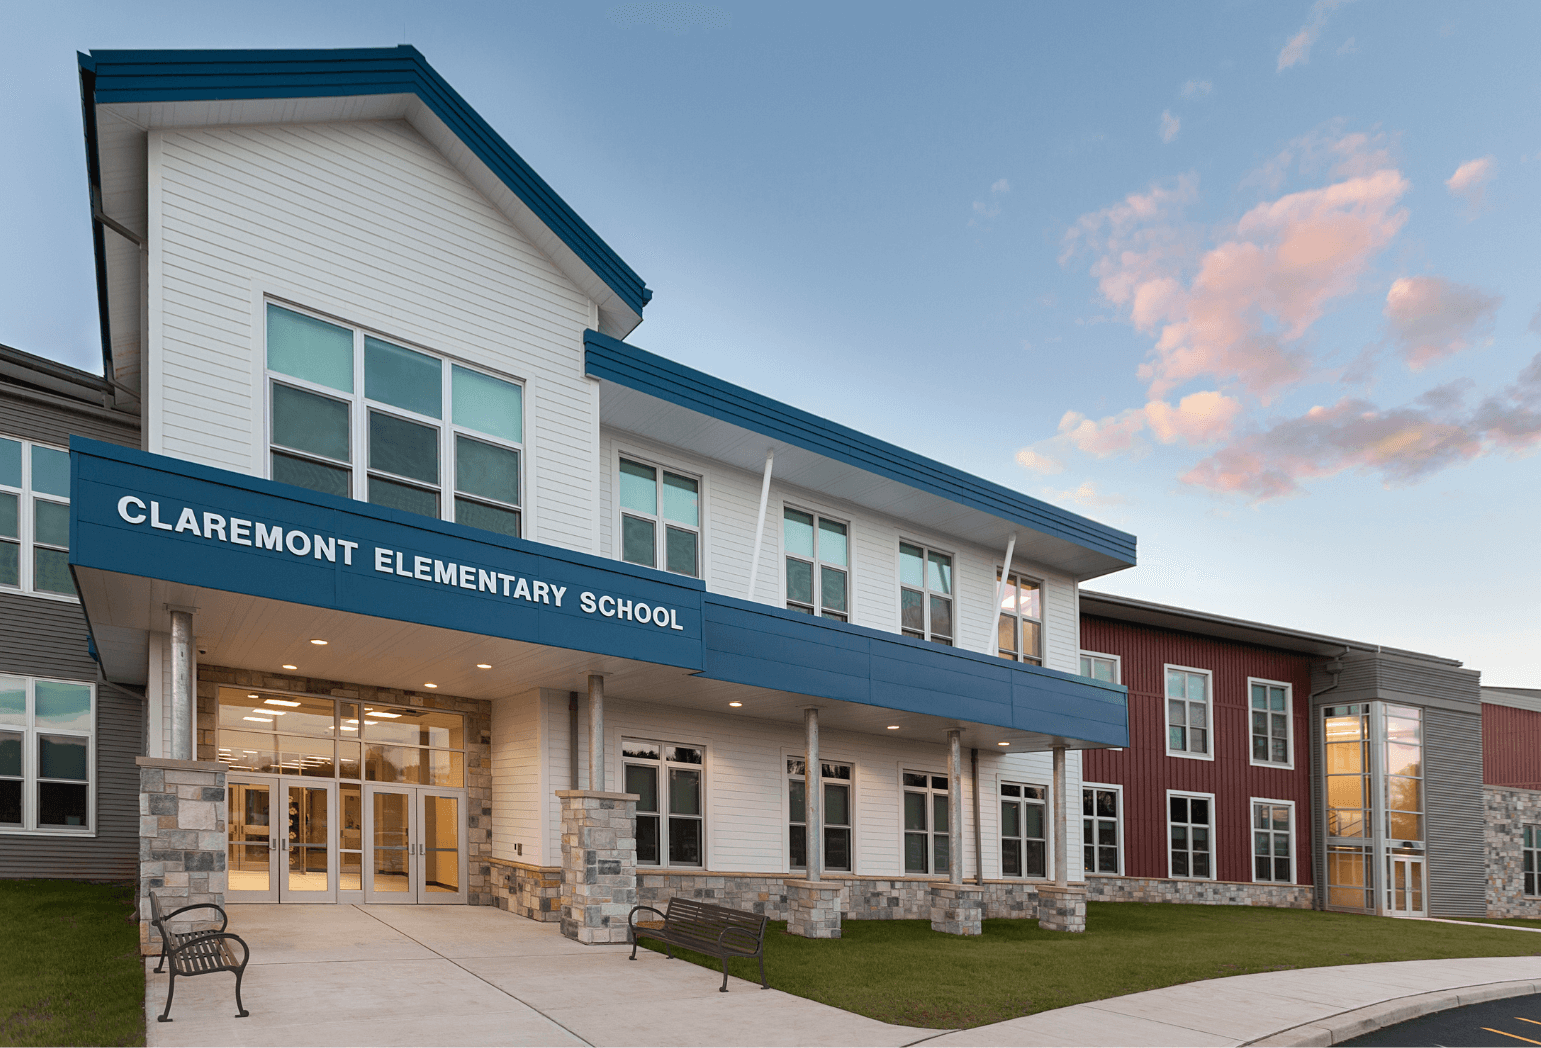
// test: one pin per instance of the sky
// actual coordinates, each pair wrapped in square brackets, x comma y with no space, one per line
[1256,282]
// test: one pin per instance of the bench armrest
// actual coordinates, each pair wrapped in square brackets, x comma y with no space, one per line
[632,924]
[752,939]
[211,937]
[224,918]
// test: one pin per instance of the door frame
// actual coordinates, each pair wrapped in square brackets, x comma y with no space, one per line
[1392,861]
[274,786]
[329,895]
[420,880]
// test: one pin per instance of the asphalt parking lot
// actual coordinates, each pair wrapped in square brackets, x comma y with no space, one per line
[1512,1021]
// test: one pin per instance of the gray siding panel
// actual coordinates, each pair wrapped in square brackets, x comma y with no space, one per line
[1456,819]
[51,419]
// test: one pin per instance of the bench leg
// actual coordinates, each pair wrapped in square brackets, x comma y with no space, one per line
[162,963]
[763,984]
[171,988]
[634,946]
[240,1009]
[724,987]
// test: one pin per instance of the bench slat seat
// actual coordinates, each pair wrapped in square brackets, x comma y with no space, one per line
[198,953]
[716,931]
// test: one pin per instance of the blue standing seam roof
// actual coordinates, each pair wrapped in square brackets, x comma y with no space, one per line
[625,364]
[167,76]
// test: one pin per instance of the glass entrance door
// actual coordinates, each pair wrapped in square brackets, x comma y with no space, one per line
[1404,885]
[416,846]
[282,847]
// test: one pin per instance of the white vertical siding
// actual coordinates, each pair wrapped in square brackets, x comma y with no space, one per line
[366,222]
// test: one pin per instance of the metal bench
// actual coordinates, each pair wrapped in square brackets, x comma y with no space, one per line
[713,930]
[197,953]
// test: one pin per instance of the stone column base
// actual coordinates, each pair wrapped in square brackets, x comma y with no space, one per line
[181,842]
[1062,909]
[957,909]
[599,864]
[813,908]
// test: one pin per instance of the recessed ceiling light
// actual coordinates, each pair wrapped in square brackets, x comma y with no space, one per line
[252,695]
[379,713]
[893,727]
[259,720]
[279,702]
[318,641]
[430,685]
[1003,744]
[484,665]
[289,667]
[735,704]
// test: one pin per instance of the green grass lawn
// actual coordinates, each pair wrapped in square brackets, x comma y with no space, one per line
[70,972]
[903,972]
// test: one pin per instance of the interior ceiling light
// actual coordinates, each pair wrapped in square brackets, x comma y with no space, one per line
[269,713]
[430,684]
[379,713]
[319,642]
[1003,744]
[484,665]
[259,720]
[252,695]
[279,702]
[289,667]
[893,727]
[735,704]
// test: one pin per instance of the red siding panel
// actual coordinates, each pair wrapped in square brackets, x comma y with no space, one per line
[1146,772]
[1511,747]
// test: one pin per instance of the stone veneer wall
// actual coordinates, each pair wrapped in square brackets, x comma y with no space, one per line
[1207,893]
[1507,812]
[478,746]
[530,891]
[181,842]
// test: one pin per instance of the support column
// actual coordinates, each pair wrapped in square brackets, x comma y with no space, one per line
[183,701]
[813,905]
[599,864]
[813,795]
[1062,907]
[956,908]
[596,733]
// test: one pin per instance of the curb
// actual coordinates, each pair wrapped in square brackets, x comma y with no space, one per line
[1345,1026]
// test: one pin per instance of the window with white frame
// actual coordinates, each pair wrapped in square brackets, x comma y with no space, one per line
[1272,857]
[925,823]
[1021,625]
[1270,723]
[46,765]
[925,593]
[1191,834]
[660,524]
[35,518]
[818,564]
[1532,859]
[1102,812]
[1024,845]
[671,820]
[1100,667]
[354,415]
[1187,711]
[837,815]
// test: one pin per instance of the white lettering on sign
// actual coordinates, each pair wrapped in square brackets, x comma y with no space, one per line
[213,527]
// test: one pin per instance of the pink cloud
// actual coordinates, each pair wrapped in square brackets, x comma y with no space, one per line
[1298,49]
[1470,180]
[1199,418]
[1431,318]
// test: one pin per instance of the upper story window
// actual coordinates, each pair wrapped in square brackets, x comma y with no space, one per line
[46,765]
[660,528]
[1270,723]
[357,416]
[1187,712]
[1100,667]
[1021,628]
[818,564]
[925,593]
[35,518]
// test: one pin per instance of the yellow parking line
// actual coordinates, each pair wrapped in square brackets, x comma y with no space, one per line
[1516,1036]
[1522,1019]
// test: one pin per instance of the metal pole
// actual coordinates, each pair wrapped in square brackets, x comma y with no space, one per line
[955,805]
[813,795]
[572,740]
[979,846]
[596,733]
[182,701]
[992,639]
[759,527]
[1061,827]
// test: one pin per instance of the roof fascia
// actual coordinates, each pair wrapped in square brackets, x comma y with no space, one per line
[626,365]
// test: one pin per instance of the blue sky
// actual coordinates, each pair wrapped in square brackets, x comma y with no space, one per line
[1256,282]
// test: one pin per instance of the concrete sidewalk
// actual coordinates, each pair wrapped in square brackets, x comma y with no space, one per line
[462,975]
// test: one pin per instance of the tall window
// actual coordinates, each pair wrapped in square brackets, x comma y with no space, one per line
[1404,773]
[818,564]
[1024,848]
[660,531]
[1021,627]
[1187,712]
[1348,771]
[1270,723]
[837,815]
[925,823]
[1100,667]
[46,766]
[925,594]
[357,416]
[1190,830]
[1532,852]
[666,778]
[35,518]
[1272,859]
[1101,814]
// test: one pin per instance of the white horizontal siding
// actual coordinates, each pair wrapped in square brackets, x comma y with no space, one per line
[517,784]
[366,222]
